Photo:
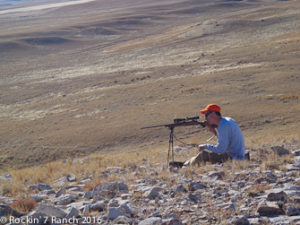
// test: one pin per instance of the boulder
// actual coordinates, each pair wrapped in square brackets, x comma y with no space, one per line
[172,221]
[270,209]
[292,211]
[40,187]
[72,213]
[44,213]
[180,188]
[123,220]
[153,193]
[217,175]
[296,152]
[114,187]
[193,186]
[64,199]
[98,206]
[113,213]
[151,221]
[127,210]
[242,220]
[71,177]
[278,196]
[280,150]
[6,210]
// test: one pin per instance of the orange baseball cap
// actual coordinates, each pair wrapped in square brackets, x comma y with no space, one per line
[211,107]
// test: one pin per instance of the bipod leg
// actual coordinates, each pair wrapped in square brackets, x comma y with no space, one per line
[171,146]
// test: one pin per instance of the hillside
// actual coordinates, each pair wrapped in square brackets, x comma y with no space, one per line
[85,78]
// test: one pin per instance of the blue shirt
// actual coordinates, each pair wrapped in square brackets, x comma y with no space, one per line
[230,139]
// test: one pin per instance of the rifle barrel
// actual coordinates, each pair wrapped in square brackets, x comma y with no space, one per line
[184,123]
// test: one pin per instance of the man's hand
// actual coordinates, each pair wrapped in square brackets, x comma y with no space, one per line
[201,148]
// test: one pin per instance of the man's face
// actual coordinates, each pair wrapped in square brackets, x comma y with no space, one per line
[209,117]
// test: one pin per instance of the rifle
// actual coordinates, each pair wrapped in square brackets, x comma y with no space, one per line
[188,121]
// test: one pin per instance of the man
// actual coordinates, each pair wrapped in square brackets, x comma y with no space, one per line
[230,138]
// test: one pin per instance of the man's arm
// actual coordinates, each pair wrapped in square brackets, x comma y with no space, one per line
[223,142]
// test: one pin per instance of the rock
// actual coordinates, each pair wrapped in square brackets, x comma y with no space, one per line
[270,209]
[123,220]
[113,169]
[241,184]
[64,199]
[49,192]
[270,177]
[6,177]
[114,187]
[127,210]
[180,188]
[80,205]
[72,213]
[296,161]
[193,198]
[177,149]
[172,221]
[157,213]
[259,221]
[38,197]
[193,186]
[292,211]
[60,182]
[113,213]
[218,175]
[99,206]
[60,192]
[153,193]
[280,220]
[44,213]
[241,221]
[6,200]
[280,150]
[71,177]
[294,219]
[89,194]
[6,210]
[291,189]
[296,152]
[291,167]
[113,203]
[75,188]
[151,221]
[278,196]
[40,187]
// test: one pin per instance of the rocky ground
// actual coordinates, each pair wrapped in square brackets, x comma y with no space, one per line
[251,192]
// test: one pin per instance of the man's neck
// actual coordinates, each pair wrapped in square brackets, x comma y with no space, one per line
[218,121]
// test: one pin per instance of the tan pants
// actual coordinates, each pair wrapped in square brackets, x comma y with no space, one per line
[205,156]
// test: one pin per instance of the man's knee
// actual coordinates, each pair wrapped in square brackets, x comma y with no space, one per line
[218,158]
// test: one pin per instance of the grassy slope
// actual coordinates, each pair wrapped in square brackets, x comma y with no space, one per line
[114,74]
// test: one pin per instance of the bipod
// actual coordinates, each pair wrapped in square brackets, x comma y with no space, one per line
[171,145]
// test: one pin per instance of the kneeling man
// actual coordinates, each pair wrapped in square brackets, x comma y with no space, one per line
[230,139]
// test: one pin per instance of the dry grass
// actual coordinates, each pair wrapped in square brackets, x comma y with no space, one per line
[24,205]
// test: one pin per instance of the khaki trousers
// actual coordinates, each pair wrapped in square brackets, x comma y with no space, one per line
[205,156]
